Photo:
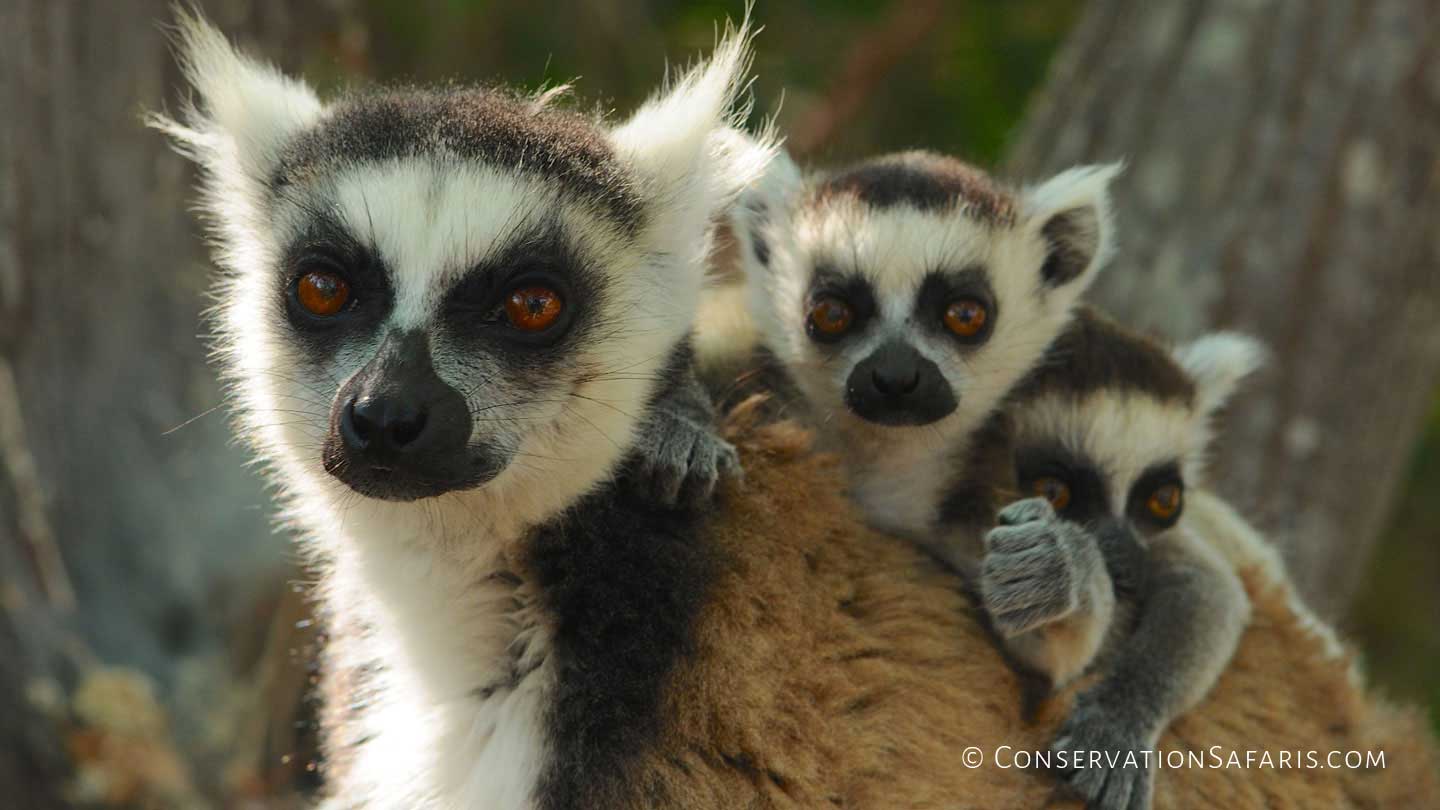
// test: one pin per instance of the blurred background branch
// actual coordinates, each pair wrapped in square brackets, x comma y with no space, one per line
[31,520]
[871,59]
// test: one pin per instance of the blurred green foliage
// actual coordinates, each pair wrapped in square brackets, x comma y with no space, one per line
[1397,616]
[961,89]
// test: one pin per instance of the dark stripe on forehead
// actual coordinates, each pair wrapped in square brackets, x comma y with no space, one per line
[924,180]
[1094,353]
[482,125]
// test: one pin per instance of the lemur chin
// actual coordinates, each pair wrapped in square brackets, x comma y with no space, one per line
[446,316]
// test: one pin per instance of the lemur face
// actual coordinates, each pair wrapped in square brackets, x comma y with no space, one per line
[1112,427]
[431,291]
[912,290]
[453,308]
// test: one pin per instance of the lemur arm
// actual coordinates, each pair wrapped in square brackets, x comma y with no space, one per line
[1192,612]
[1047,591]
[680,456]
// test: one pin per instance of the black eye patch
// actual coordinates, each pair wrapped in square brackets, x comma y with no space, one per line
[1089,494]
[1152,481]
[942,288]
[473,311]
[850,288]
[327,248]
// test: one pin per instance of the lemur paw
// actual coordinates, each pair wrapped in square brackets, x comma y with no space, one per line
[1034,567]
[1119,776]
[683,460]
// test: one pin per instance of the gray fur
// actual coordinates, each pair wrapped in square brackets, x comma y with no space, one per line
[1194,610]
[682,456]
[1088,728]
[1036,567]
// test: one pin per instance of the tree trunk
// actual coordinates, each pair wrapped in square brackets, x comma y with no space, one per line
[161,532]
[1283,162]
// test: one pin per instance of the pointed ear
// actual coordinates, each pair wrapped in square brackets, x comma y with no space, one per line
[244,112]
[1071,213]
[682,142]
[1217,363]
[763,205]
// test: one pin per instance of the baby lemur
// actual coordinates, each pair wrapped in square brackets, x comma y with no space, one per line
[1098,569]
[904,297]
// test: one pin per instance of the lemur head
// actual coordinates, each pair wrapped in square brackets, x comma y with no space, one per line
[1111,427]
[433,291]
[913,289]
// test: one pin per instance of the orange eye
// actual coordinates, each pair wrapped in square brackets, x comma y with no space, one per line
[966,317]
[1054,490]
[533,309]
[831,317]
[1165,502]
[322,293]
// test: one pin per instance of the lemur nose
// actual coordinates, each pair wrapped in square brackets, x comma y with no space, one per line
[382,423]
[897,385]
[895,382]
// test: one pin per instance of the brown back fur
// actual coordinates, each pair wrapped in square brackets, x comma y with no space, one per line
[837,667]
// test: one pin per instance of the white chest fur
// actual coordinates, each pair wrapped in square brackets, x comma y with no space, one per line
[900,482]
[457,721]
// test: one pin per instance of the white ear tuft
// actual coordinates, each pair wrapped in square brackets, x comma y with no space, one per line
[1072,213]
[753,161]
[677,139]
[1218,362]
[246,110]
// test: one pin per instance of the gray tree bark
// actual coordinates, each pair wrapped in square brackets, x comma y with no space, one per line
[1284,159]
[124,542]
